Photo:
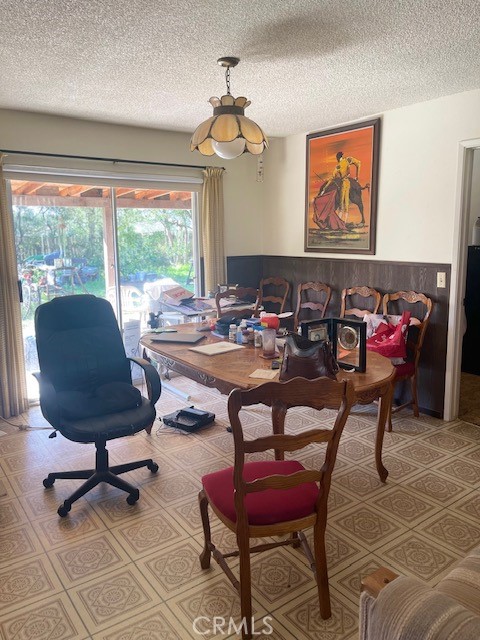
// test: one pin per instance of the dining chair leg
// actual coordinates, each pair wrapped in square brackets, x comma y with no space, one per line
[388,423]
[413,386]
[245,588]
[206,554]
[321,571]
[296,537]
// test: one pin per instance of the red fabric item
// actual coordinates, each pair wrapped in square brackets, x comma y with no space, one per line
[324,214]
[404,370]
[390,340]
[263,507]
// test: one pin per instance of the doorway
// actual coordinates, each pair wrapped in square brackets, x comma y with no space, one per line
[462,238]
[119,243]
[469,403]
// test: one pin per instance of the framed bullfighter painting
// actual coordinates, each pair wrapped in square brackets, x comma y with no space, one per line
[341,189]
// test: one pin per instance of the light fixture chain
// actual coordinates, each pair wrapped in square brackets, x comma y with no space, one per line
[227,79]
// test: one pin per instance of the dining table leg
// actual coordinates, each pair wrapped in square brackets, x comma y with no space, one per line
[383,418]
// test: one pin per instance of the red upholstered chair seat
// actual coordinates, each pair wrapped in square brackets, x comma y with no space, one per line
[404,370]
[263,507]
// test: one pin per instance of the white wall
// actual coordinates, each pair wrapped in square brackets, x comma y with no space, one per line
[417,182]
[22,131]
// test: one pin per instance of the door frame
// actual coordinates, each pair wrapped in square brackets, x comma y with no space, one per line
[458,277]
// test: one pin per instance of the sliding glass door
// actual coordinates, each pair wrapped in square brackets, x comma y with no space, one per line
[125,244]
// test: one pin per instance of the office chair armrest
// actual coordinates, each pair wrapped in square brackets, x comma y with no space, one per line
[154,386]
[48,400]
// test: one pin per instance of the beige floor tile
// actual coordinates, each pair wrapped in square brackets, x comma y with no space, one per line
[197,607]
[6,489]
[196,456]
[468,506]
[278,576]
[168,491]
[52,618]
[473,454]
[19,544]
[354,450]
[452,531]
[339,500]
[421,453]
[12,514]
[80,522]
[148,534]
[85,559]
[302,617]
[175,569]
[409,426]
[461,470]
[367,526]
[437,487]
[398,467]
[464,430]
[44,502]
[447,441]
[113,598]
[409,507]
[415,555]
[341,550]
[157,623]
[27,582]
[115,508]
[187,514]
[391,440]
[350,579]
[359,482]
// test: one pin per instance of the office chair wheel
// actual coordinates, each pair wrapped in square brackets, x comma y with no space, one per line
[48,482]
[64,509]
[153,467]
[133,497]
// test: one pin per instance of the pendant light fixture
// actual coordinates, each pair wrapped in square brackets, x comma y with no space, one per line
[228,133]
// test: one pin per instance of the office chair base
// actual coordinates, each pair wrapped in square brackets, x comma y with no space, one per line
[102,473]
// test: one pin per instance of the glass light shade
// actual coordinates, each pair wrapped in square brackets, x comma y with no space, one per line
[229,150]
[228,133]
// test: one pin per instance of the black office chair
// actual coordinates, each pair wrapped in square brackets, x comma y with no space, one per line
[86,390]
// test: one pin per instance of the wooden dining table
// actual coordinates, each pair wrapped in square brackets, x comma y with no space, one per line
[230,370]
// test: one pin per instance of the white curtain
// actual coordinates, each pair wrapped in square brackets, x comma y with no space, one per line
[212,228]
[13,385]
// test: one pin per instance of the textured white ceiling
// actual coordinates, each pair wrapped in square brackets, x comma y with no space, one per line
[305,64]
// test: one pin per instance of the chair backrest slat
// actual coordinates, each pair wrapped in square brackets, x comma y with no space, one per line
[321,291]
[274,290]
[283,482]
[287,442]
[364,292]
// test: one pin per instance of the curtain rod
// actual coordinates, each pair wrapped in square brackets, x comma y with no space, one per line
[114,160]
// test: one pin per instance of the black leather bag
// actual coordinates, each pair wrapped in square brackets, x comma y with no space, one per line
[307,359]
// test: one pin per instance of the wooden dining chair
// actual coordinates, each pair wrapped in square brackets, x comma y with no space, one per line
[349,297]
[274,291]
[236,296]
[421,308]
[314,296]
[276,497]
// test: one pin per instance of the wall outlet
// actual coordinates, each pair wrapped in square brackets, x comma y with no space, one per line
[441,279]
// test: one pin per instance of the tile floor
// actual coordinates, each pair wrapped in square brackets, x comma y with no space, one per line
[110,571]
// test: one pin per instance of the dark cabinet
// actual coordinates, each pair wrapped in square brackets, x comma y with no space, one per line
[471,339]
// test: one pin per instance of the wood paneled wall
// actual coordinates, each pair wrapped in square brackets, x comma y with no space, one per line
[382,275]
